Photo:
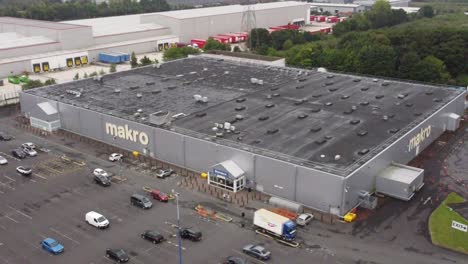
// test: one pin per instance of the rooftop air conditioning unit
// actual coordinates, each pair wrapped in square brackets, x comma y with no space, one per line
[254,80]
[179,115]
[321,69]
[260,82]
[227,125]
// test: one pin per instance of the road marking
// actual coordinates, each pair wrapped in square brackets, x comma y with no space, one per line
[42,177]
[8,155]
[176,245]
[106,258]
[9,178]
[65,236]
[135,259]
[146,250]
[31,244]
[11,219]
[242,253]
[21,213]
[8,186]
[33,180]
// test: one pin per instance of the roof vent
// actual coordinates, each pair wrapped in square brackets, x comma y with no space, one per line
[302,116]
[200,99]
[402,96]
[337,157]
[332,89]
[345,97]
[417,114]
[321,69]
[150,83]
[385,117]
[362,133]
[179,115]
[186,83]
[263,118]
[240,108]
[134,87]
[260,82]
[200,114]
[349,111]
[385,83]
[300,87]
[329,83]
[172,87]
[239,117]
[437,100]
[156,91]
[316,95]
[393,130]
[409,104]
[328,103]
[269,105]
[380,96]
[193,72]
[302,79]
[139,95]
[364,103]
[205,69]
[272,131]
[117,91]
[315,129]
[179,75]
[330,76]
[139,110]
[73,92]
[429,92]
[363,151]
[320,141]
[328,137]
[356,80]
[239,138]
[275,94]
[315,110]
[364,88]
[240,100]
[274,88]
[355,121]
[375,80]
[257,141]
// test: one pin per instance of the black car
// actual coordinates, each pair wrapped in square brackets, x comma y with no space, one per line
[235,260]
[117,254]
[18,153]
[191,234]
[152,236]
[102,180]
[5,137]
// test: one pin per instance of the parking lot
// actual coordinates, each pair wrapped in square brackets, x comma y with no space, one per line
[54,200]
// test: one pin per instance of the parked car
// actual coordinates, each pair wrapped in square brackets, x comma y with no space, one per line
[257,251]
[191,234]
[152,236]
[235,260]
[164,173]
[5,137]
[26,171]
[100,172]
[140,201]
[96,219]
[3,161]
[29,145]
[304,219]
[28,151]
[51,245]
[160,196]
[102,180]
[118,255]
[18,153]
[115,157]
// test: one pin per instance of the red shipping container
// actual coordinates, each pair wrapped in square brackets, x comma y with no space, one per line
[243,36]
[312,18]
[221,39]
[321,18]
[200,42]
[232,38]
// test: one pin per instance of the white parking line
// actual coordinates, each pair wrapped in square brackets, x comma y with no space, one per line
[257,260]
[151,248]
[42,177]
[21,213]
[65,236]
[33,180]
[11,219]
[135,259]
[8,186]
[176,245]
[9,178]
[106,258]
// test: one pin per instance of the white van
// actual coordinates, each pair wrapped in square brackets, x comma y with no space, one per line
[96,219]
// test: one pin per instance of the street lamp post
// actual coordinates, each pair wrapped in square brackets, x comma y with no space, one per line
[178,226]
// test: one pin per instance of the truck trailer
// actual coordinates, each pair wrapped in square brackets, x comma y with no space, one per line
[274,224]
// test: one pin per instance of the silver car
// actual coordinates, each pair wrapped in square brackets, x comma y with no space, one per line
[29,151]
[257,251]
[3,161]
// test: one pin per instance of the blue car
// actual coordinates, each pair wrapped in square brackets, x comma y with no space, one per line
[52,246]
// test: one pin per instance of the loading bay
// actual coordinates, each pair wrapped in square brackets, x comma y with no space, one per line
[53,202]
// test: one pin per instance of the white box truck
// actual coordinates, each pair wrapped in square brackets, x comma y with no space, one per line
[275,224]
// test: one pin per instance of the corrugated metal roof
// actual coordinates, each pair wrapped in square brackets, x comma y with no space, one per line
[400,173]
[47,108]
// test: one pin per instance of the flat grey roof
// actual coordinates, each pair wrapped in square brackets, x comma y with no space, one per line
[37,23]
[304,117]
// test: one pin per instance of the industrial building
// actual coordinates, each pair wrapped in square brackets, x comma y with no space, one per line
[335,8]
[40,46]
[324,140]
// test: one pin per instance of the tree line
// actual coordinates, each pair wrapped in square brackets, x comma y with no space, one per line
[55,10]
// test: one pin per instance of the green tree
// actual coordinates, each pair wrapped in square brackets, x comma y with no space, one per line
[177,53]
[259,37]
[133,60]
[85,75]
[237,49]
[94,73]
[102,72]
[287,44]
[50,82]
[212,44]
[426,11]
[113,68]
[381,14]
[145,61]
[407,65]
[32,84]
[431,69]
[77,76]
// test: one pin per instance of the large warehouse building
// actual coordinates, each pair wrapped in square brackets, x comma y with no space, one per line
[324,140]
[38,46]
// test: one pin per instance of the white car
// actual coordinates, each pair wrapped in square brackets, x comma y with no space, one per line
[24,170]
[29,145]
[29,151]
[115,157]
[96,219]
[100,172]
[304,219]
[3,161]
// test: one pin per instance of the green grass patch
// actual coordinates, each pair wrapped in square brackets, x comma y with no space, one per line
[440,226]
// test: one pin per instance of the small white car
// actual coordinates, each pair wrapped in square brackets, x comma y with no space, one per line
[24,170]
[29,151]
[3,161]
[304,219]
[100,172]
[96,219]
[115,157]
[29,145]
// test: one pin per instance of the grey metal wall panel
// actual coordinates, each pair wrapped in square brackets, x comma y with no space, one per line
[244,159]
[70,117]
[27,103]
[169,146]
[200,155]
[276,177]
[399,152]
[318,190]
[90,124]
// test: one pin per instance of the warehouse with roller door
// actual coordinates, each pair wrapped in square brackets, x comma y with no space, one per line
[42,46]
[328,141]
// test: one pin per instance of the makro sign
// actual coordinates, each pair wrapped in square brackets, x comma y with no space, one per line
[125,133]
[459,226]
[419,138]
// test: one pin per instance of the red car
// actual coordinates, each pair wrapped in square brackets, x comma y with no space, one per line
[160,196]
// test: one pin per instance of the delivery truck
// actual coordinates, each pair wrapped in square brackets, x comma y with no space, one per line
[275,225]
